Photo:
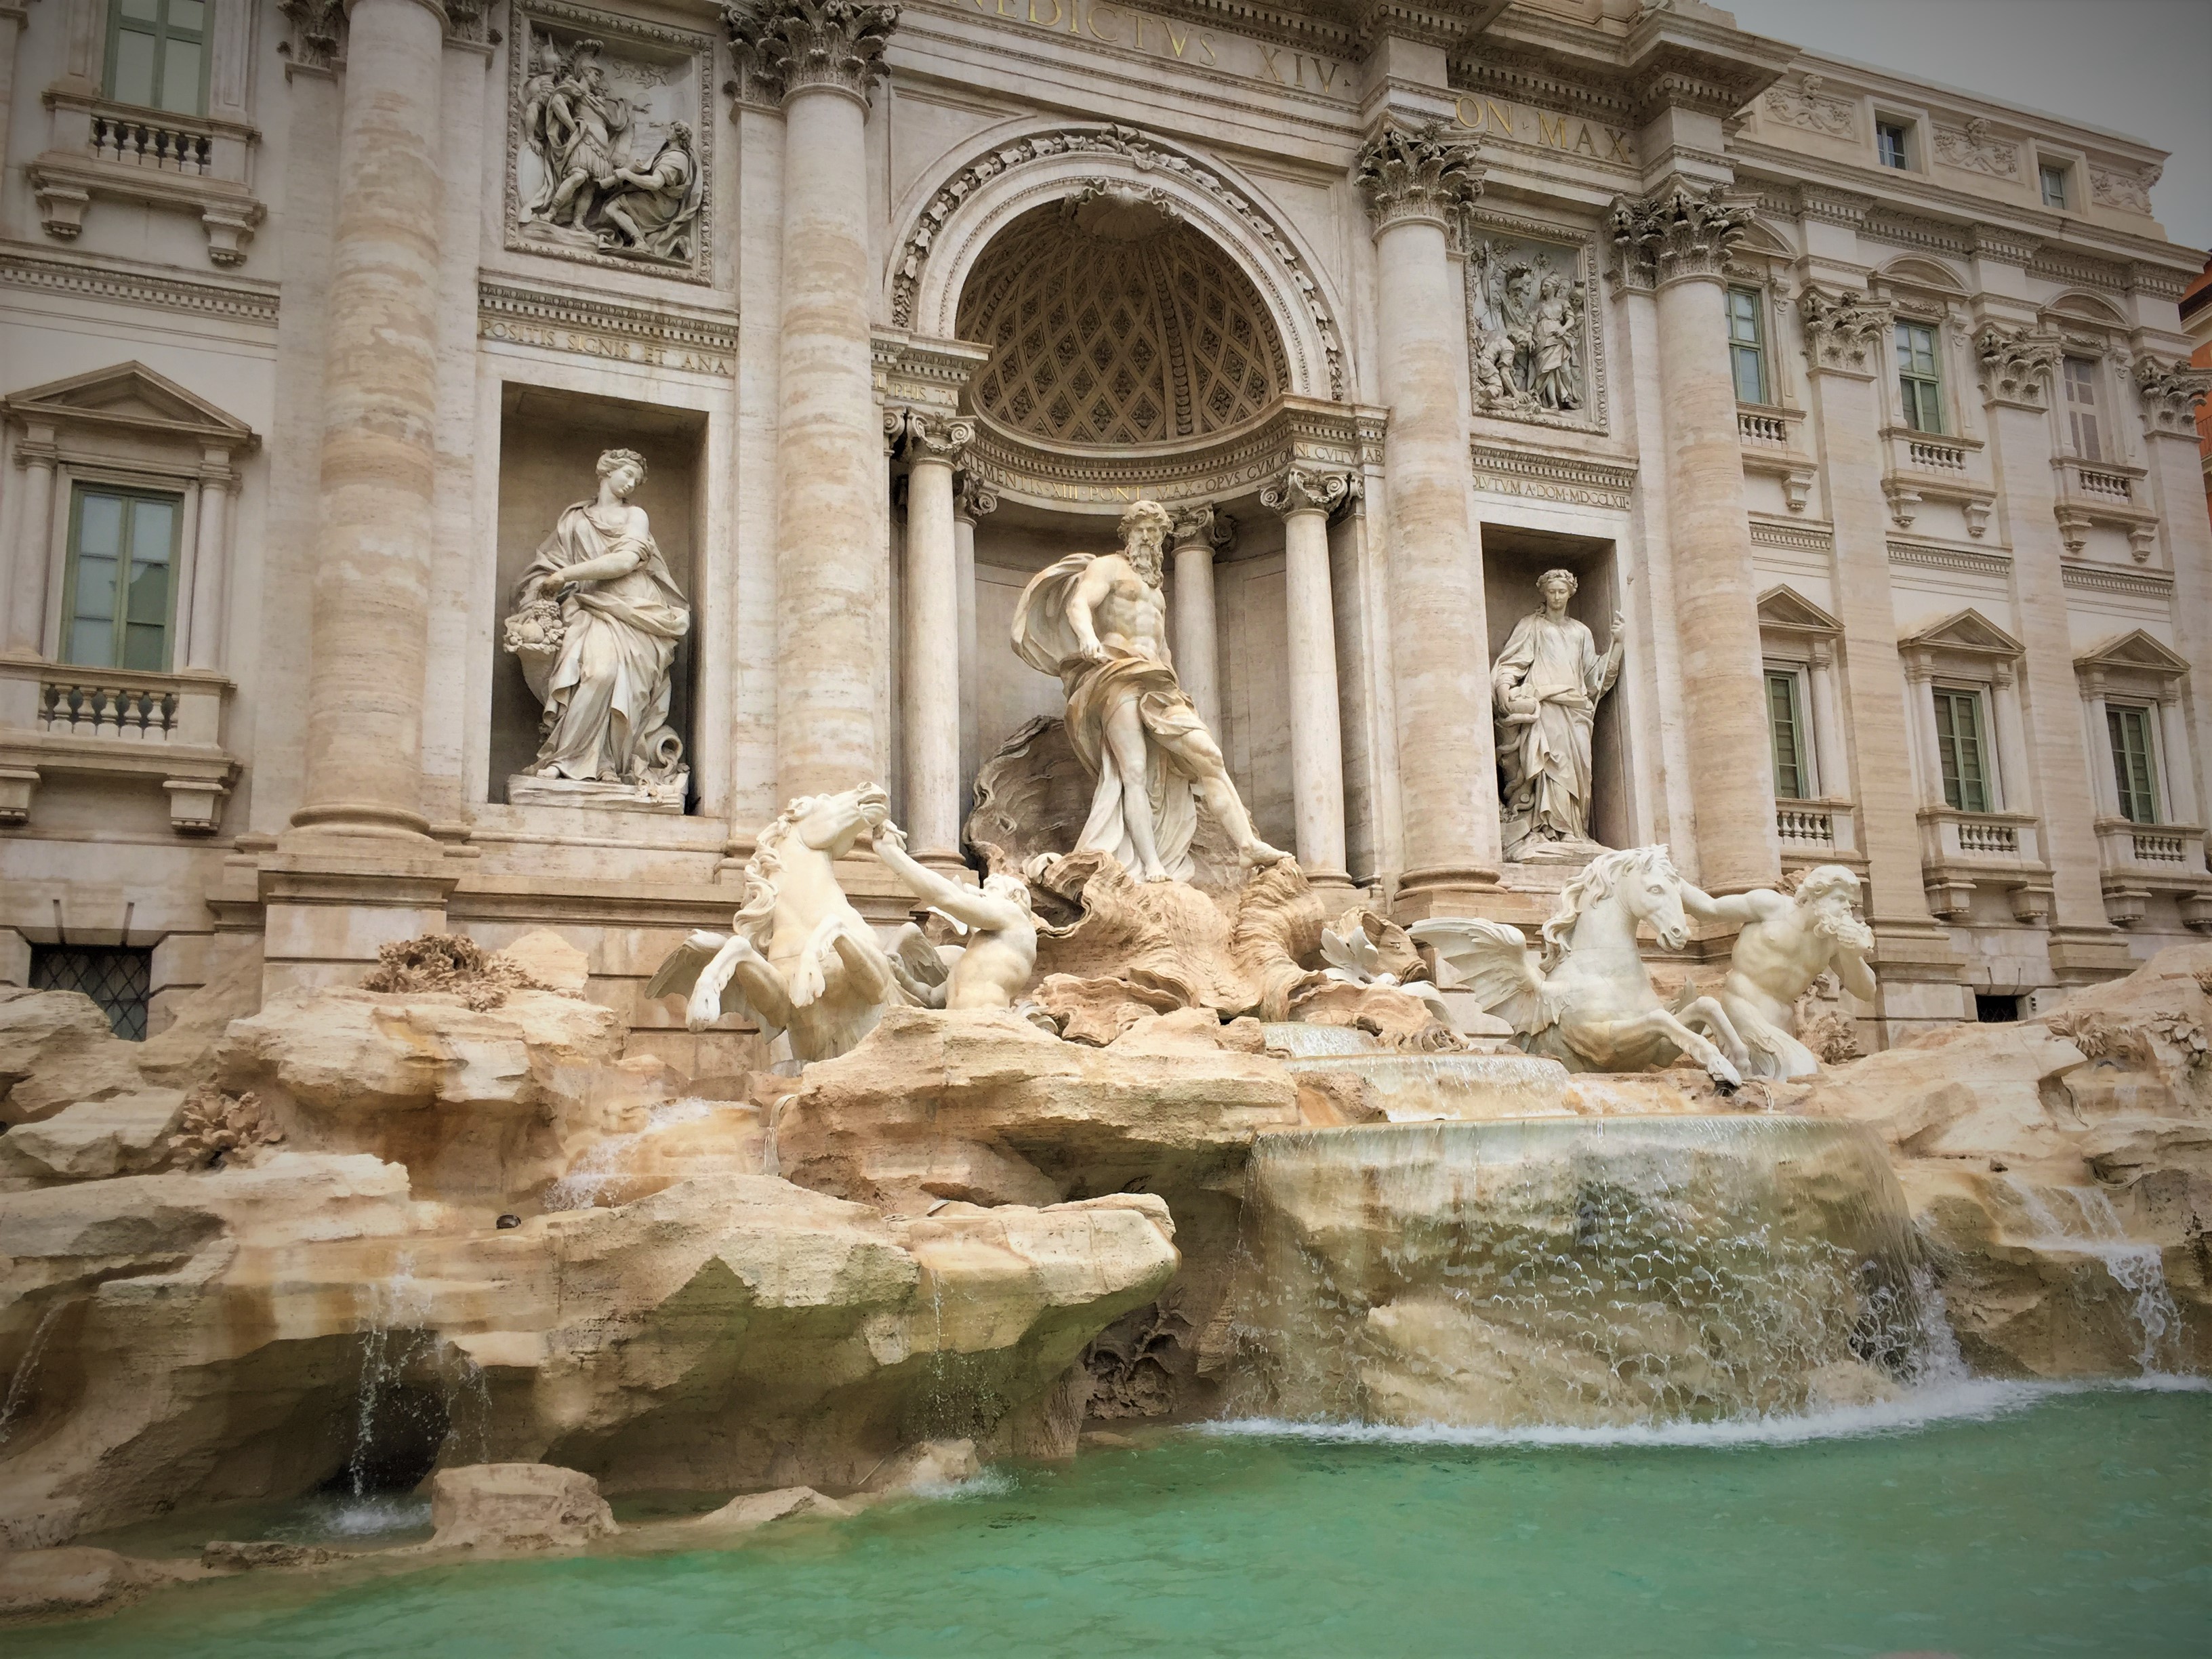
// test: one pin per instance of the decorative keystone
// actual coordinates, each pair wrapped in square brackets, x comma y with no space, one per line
[1416,173]
[789,45]
[1678,234]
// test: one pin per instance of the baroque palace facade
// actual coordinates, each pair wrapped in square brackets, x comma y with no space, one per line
[1859,409]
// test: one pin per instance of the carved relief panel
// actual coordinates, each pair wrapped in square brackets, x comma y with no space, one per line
[1531,330]
[609,141]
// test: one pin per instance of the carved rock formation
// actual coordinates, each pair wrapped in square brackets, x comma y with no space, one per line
[506,1508]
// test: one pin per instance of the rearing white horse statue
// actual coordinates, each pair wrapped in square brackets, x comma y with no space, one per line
[801,957]
[1590,1003]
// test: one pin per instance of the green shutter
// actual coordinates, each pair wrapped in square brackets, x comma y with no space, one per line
[1920,377]
[1746,345]
[2132,772]
[157,54]
[1960,752]
[118,594]
[1783,722]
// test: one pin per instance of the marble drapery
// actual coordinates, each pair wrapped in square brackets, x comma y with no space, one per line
[1546,683]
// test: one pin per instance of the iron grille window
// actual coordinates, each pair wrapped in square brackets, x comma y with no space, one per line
[118,978]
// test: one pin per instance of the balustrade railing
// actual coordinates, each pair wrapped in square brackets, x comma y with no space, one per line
[1976,836]
[2151,848]
[120,714]
[2113,485]
[162,146]
[1771,430]
[1934,457]
[1803,827]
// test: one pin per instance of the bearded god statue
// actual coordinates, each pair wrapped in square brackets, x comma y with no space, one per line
[1546,683]
[596,623]
[1099,622]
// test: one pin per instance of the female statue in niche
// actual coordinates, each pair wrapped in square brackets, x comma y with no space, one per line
[596,623]
[1546,683]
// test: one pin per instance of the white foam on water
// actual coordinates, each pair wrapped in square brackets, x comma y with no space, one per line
[988,1483]
[1949,1402]
[370,1517]
[2095,1228]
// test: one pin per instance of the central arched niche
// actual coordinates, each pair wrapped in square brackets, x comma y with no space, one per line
[1112,322]
[1126,345]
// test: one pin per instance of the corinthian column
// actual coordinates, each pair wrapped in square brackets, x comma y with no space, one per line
[1672,245]
[1414,184]
[1305,501]
[371,606]
[822,57]
[930,708]
[1198,531]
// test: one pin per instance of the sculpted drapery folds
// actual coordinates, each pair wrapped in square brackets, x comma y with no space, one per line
[597,621]
[1546,683]
[594,188]
[1099,622]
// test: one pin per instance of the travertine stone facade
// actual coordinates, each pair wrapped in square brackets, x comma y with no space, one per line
[1891,472]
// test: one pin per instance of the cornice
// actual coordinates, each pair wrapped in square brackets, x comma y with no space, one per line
[1552,476]
[121,285]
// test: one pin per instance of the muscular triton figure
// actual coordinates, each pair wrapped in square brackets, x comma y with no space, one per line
[1099,622]
[1786,944]
[994,967]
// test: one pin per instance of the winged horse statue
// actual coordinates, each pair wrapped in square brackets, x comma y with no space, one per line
[1589,1002]
[801,957]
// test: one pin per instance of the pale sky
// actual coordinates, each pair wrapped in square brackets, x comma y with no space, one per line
[2140,66]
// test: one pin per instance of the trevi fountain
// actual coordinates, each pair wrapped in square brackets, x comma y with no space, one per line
[1069,1150]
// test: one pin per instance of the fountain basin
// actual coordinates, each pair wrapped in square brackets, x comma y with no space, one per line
[1368,1083]
[1593,1271]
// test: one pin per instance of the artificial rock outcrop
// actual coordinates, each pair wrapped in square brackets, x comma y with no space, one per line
[2060,1168]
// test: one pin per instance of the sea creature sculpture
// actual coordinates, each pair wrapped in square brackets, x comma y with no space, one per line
[802,958]
[1589,1003]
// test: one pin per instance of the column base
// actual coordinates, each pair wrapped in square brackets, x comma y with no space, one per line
[1333,885]
[1445,890]
[326,910]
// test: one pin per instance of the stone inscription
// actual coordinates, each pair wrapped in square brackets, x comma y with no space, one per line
[1124,26]
[1544,129]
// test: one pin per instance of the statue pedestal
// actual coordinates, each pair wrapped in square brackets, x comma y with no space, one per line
[525,790]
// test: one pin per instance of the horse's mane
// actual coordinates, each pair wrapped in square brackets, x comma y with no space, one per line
[755,917]
[1595,882]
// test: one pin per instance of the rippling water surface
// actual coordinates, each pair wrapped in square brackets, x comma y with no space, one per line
[1989,1521]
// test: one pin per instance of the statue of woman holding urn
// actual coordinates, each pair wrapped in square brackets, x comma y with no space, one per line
[597,621]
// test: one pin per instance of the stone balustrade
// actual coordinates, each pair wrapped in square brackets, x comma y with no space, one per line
[100,150]
[168,728]
[1815,827]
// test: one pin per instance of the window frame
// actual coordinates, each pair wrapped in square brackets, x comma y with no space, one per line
[119,624]
[2093,451]
[2117,712]
[161,31]
[1883,126]
[1755,347]
[1929,384]
[2045,171]
[1805,759]
[1945,695]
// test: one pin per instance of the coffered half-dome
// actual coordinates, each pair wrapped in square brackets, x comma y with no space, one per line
[1111,322]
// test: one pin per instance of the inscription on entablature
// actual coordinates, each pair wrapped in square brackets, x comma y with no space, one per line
[1545,129]
[1108,24]
[610,145]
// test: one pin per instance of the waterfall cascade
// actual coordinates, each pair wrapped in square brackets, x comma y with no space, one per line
[2081,1220]
[1590,1271]
[1418,1088]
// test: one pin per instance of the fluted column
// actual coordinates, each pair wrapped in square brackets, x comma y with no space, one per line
[1672,245]
[1415,183]
[26,589]
[972,502]
[1305,501]
[822,57]
[930,655]
[1199,532]
[371,605]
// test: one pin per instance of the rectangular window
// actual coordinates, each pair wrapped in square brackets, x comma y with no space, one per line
[157,54]
[2081,407]
[2133,769]
[1746,345]
[1920,376]
[1889,141]
[2054,185]
[118,978]
[123,545]
[1962,750]
[1786,724]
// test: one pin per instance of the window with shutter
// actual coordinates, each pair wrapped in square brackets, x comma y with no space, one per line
[2134,771]
[1961,752]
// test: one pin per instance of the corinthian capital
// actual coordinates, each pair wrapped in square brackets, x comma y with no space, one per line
[787,46]
[2170,390]
[1847,332]
[1678,233]
[2017,364]
[1300,491]
[1416,173]
[1202,524]
[932,437]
